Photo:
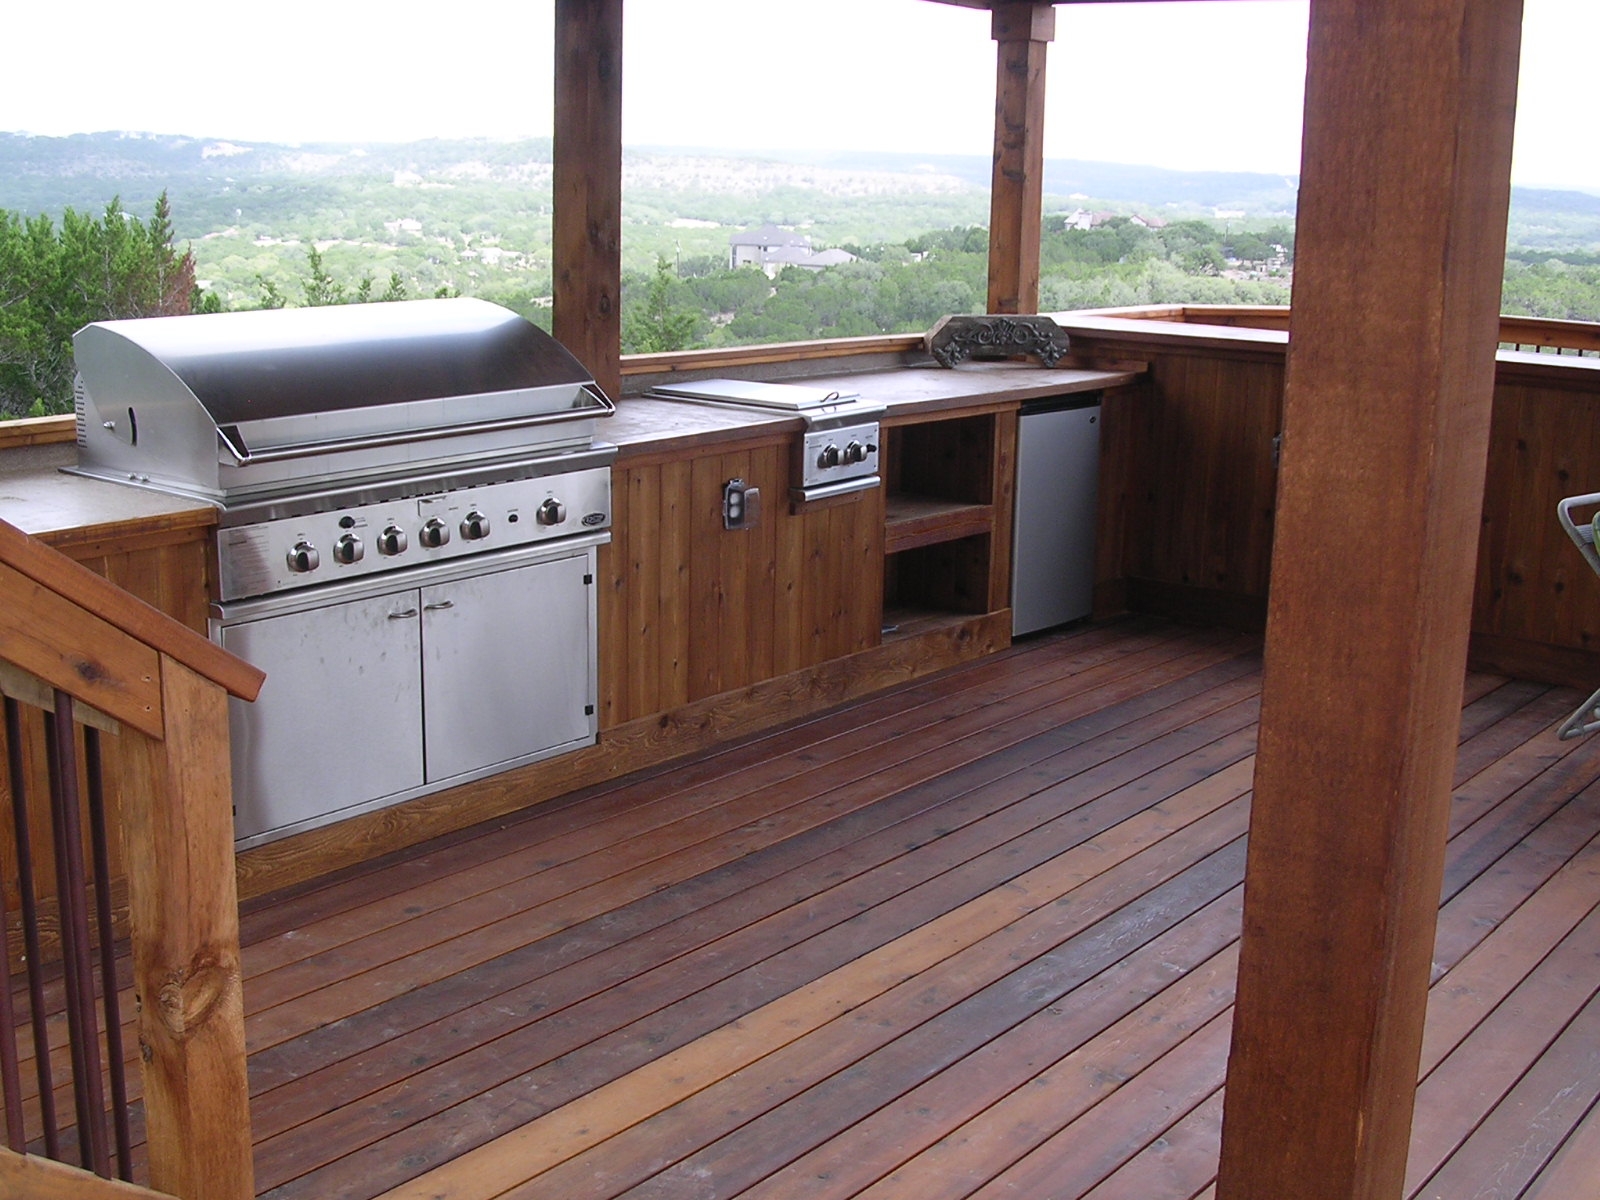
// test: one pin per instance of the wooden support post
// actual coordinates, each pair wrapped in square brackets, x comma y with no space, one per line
[1022,30]
[183,905]
[587,186]
[1402,219]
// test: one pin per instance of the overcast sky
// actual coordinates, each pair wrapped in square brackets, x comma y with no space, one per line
[1187,85]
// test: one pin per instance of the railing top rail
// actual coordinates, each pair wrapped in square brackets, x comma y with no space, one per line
[1543,331]
[101,600]
[27,1175]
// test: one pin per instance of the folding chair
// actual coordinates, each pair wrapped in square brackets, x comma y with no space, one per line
[1587,717]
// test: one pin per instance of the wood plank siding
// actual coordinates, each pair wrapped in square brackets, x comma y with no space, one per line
[973,937]
[1189,481]
[691,610]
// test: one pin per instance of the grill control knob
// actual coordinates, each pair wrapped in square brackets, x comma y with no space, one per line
[551,512]
[474,526]
[829,456]
[303,558]
[435,533]
[348,548]
[855,452]
[392,541]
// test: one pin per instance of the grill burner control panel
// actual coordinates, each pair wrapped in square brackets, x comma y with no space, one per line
[830,456]
[366,538]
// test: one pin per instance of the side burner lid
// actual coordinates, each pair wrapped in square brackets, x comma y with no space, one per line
[785,397]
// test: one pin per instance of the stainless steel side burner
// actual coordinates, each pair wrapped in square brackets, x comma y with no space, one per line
[838,451]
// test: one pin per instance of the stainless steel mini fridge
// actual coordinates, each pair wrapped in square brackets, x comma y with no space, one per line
[1058,475]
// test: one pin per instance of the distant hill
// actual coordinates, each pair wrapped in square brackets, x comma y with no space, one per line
[474,215]
[1067,179]
[83,171]
[47,174]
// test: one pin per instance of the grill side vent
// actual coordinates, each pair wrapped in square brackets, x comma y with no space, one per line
[80,407]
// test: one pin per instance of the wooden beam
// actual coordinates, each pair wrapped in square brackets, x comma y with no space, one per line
[1022,30]
[1402,218]
[587,186]
[998,3]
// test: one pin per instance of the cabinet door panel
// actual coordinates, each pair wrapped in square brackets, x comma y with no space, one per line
[337,722]
[506,665]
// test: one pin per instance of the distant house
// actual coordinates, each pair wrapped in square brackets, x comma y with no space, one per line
[828,258]
[772,248]
[1082,218]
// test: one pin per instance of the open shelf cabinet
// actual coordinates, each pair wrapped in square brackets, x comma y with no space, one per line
[947,515]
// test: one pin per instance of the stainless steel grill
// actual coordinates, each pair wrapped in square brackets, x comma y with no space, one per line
[410,500]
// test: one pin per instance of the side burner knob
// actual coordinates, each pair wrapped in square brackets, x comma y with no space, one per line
[392,541]
[551,512]
[474,526]
[303,558]
[829,456]
[435,533]
[348,549]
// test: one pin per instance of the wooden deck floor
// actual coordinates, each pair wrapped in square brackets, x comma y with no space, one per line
[974,938]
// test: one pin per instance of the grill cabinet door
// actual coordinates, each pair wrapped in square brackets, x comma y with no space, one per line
[506,665]
[337,723]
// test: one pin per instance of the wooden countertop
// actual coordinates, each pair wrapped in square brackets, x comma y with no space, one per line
[648,426]
[72,510]
[918,390]
[67,510]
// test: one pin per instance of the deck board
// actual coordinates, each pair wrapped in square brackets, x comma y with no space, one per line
[973,937]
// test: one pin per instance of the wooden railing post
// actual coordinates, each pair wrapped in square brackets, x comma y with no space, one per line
[1403,200]
[178,835]
[1023,31]
[587,233]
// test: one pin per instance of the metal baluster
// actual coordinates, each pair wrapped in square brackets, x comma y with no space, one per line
[10,1067]
[108,952]
[30,929]
[77,963]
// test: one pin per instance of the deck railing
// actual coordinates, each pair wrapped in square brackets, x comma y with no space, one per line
[80,659]
[1541,335]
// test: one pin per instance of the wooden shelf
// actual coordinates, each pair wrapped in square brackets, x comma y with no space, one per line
[947,534]
[905,621]
[913,521]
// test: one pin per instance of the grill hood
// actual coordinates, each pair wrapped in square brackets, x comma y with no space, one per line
[232,405]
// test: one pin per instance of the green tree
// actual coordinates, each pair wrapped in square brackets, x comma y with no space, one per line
[658,323]
[319,286]
[53,282]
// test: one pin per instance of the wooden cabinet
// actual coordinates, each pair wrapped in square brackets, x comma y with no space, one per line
[948,484]
[690,610]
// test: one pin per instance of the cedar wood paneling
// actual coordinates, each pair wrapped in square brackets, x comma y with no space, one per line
[1189,494]
[695,610]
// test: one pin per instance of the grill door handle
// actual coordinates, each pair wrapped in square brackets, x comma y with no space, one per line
[405,614]
[436,605]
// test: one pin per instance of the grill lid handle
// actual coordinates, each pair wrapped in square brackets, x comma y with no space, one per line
[233,442]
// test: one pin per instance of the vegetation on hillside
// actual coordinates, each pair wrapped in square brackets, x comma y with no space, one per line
[906,286]
[341,241]
[1563,286]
